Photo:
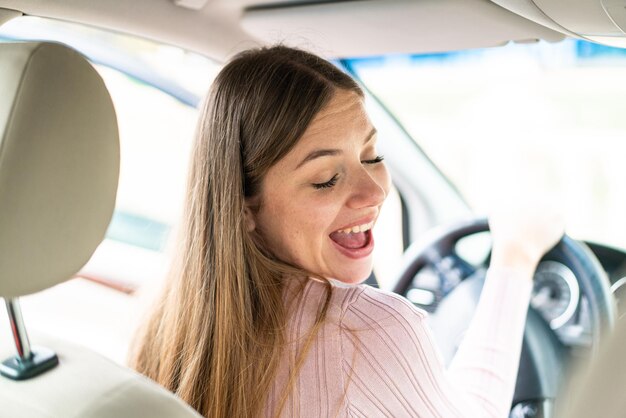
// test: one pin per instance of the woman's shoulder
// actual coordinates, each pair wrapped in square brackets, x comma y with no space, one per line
[354,305]
[366,303]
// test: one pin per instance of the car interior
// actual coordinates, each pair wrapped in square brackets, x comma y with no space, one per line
[97,115]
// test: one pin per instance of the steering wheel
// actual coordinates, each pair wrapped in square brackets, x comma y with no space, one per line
[543,360]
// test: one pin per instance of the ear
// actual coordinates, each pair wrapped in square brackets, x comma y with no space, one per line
[249,215]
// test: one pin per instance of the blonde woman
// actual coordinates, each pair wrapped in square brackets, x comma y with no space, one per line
[263,314]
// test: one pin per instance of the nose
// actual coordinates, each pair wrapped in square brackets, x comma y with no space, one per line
[369,187]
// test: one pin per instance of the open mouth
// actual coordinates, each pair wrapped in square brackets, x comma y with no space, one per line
[356,241]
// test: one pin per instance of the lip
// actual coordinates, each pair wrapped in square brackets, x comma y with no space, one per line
[358,222]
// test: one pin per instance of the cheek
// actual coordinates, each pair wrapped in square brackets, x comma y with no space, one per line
[295,228]
[309,219]
[310,245]
[287,224]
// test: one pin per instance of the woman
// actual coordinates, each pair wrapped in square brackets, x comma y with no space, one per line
[263,314]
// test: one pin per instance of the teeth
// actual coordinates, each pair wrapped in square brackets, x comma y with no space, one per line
[357,228]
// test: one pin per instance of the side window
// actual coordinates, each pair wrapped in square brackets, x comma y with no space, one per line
[156,134]
[155,89]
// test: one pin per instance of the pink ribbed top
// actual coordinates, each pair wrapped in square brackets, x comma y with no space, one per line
[374,356]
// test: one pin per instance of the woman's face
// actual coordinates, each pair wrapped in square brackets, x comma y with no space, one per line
[319,203]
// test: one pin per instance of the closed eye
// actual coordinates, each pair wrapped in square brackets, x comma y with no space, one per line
[378,159]
[328,184]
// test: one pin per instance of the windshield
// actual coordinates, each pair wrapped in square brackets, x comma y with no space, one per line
[538,115]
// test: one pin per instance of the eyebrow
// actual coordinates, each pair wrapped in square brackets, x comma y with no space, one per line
[330,152]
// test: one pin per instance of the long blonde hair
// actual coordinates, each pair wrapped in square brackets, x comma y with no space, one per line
[215,336]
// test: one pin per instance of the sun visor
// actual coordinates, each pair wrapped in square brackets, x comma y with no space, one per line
[602,21]
[378,27]
[59,164]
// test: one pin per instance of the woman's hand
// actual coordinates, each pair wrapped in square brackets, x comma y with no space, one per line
[522,235]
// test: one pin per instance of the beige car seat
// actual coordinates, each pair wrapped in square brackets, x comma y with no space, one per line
[59,166]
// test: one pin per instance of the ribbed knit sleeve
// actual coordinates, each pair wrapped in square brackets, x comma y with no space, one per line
[374,355]
[391,366]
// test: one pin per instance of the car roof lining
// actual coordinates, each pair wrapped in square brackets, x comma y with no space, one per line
[224,27]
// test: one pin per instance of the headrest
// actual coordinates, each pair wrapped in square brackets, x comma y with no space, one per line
[59,164]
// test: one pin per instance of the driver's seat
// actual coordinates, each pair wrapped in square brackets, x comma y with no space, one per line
[59,166]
